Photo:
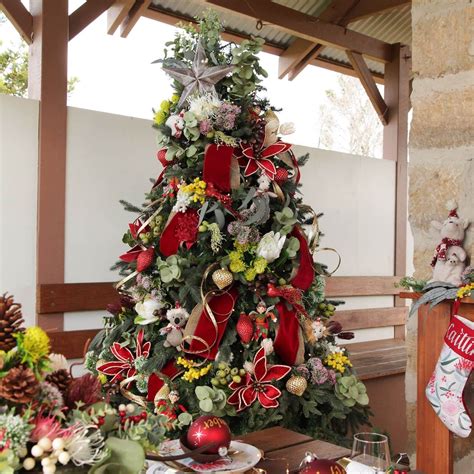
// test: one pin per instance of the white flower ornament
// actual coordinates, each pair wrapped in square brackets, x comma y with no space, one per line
[270,246]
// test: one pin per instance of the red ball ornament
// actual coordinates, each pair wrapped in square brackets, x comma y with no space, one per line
[245,328]
[272,290]
[281,175]
[206,430]
[322,466]
[145,259]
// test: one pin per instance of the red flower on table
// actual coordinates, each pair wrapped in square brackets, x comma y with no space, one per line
[124,366]
[253,160]
[259,384]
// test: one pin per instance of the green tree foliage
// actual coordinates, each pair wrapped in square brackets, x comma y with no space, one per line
[14,69]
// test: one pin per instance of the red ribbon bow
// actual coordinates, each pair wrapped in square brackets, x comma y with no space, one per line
[258,385]
[253,161]
[124,366]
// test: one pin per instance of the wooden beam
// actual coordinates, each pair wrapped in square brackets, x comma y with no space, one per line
[117,13]
[47,82]
[20,18]
[301,52]
[293,55]
[340,12]
[368,83]
[371,318]
[395,143]
[313,55]
[361,286]
[65,297]
[365,8]
[133,16]
[51,298]
[435,453]
[86,14]
[307,27]
[327,63]
[71,343]
[373,359]
[170,18]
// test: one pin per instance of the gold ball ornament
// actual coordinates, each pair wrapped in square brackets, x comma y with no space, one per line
[296,385]
[222,278]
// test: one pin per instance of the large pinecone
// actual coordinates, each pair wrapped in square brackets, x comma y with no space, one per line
[10,321]
[19,385]
[61,378]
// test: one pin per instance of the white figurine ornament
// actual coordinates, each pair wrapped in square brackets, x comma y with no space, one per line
[177,318]
[449,260]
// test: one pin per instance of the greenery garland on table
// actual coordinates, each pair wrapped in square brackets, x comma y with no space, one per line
[50,421]
[435,292]
[223,309]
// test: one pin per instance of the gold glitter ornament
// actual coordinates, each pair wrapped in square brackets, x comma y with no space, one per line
[296,385]
[222,278]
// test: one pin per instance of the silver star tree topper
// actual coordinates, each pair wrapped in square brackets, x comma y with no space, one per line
[199,77]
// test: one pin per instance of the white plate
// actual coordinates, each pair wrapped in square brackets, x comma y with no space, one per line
[246,456]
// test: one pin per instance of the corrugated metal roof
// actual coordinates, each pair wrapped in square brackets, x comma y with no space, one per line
[392,27]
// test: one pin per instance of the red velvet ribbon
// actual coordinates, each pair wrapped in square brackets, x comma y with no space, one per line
[183,227]
[296,166]
[161,155]
[287,340]
[222,307]
[217,166]
[155,382]
[305,275]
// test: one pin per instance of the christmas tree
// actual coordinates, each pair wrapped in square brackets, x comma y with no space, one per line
[222,306]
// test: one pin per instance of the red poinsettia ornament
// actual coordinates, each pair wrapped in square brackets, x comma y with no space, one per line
[136,228]
[124,366]
[253,160]
[259,384]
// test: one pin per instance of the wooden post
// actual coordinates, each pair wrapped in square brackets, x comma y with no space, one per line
[395,142]
[434,442]
[47,82]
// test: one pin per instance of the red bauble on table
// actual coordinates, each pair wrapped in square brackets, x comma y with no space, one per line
[209,429]
[322,466]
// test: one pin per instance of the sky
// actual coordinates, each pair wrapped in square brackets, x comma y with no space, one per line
[116,75]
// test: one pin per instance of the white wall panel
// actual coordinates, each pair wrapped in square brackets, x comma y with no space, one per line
[18,178]
[111,157]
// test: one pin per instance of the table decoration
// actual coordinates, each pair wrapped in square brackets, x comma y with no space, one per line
[50,420]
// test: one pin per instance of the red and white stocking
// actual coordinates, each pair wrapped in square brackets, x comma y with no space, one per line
[445,388]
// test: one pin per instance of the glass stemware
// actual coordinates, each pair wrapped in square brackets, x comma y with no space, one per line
[371,450]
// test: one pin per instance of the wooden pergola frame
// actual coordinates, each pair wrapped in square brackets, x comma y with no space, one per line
[47,28]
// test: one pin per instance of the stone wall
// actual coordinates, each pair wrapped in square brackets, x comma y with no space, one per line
[441,150]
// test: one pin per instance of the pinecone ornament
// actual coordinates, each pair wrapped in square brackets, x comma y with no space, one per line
[19,385]
[10,321]
[245,328]
[60,378]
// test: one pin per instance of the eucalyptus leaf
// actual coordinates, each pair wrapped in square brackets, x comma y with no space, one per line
[124,457]
[220,219]
[206,405]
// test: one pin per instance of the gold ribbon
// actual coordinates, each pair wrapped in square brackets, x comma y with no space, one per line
[330,249]
[139,400]
[205,298]
[314,241]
